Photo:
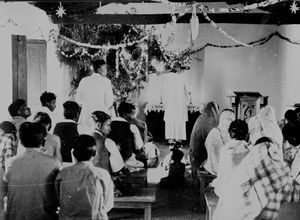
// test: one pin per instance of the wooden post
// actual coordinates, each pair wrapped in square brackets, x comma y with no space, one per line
[19,67]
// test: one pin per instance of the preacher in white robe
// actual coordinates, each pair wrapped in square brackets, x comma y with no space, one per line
[94,92]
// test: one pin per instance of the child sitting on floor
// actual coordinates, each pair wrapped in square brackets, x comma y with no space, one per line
[176,173]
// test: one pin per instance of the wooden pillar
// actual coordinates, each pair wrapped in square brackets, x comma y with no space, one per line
[19,67]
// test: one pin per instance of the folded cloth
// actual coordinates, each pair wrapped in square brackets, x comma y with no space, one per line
[132,164]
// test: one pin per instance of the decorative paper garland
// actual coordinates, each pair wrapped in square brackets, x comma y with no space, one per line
[238,9]
[253,43]
[105,47]
[221,30]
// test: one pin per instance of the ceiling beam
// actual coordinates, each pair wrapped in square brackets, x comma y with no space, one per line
[234,18]
[105,2]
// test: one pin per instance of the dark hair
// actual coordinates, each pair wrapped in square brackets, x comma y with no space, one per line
[97,64]
[43,118]
[47,97]
[71,109]
[238,130]
[7,127]
[290,115]
[125,108]
[177,155]
[14,107]
[227,110]
[101,117]
[32,135]
[83,147]
[263,140]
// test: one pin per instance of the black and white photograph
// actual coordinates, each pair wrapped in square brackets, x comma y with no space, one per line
[150,109]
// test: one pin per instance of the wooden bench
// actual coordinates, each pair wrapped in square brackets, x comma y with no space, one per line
[143,199]
[211,200]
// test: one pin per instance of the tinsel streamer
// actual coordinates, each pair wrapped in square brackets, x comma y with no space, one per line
[221,30]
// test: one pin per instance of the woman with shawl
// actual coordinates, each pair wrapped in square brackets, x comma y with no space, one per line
[259,184]
[208,120]
[216,139]
[232,153]
[270,126]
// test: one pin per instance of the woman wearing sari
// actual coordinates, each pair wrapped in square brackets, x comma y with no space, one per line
[232,153]
[208,120]
[259,184]
[216,139]
[267,118]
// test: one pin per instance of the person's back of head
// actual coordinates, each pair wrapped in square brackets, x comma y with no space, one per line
[100,117]
[297,110]
[125,109]
[238,130]
[6,127]
[84,148]
[18,108]
[71,110]
[48,100]
[99,66]
[32,135]
[43,119]
[290,115]
[177,155]
[211,109]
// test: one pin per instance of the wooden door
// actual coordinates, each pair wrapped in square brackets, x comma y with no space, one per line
[29,69]
[19,67]
[36,71]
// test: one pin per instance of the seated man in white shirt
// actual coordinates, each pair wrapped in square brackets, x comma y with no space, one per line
[126,135]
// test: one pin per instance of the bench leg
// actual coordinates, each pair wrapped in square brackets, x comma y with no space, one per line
[147,215]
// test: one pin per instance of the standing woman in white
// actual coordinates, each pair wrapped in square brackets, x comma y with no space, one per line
[94,92]
[175,99]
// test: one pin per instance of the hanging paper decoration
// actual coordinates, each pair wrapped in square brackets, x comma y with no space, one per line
[194,24]
[294,7]
[60,12]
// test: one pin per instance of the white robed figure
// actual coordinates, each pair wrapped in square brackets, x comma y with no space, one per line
[94,92]
[175,100]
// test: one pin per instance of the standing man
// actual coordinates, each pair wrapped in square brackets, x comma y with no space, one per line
[94,92]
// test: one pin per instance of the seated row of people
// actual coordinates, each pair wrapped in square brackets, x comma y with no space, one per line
[35,184]
[252,178]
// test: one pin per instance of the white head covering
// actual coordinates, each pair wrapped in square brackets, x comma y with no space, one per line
[269,124]
[255,129]
[226,117]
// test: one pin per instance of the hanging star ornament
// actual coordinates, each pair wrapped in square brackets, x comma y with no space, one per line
[60,12]
[294,8]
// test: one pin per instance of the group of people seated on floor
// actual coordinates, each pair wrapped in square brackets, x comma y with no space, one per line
[256,164]
[52,168]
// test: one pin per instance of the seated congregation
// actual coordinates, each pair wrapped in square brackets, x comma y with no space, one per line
[54,168]
[254,166]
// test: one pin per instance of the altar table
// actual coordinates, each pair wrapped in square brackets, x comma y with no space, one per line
[156,124]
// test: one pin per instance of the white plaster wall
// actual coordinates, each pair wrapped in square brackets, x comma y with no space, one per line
[288,66]
[269,68]
[5,74]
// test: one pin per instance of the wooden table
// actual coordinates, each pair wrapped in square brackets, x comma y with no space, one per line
[143,199]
